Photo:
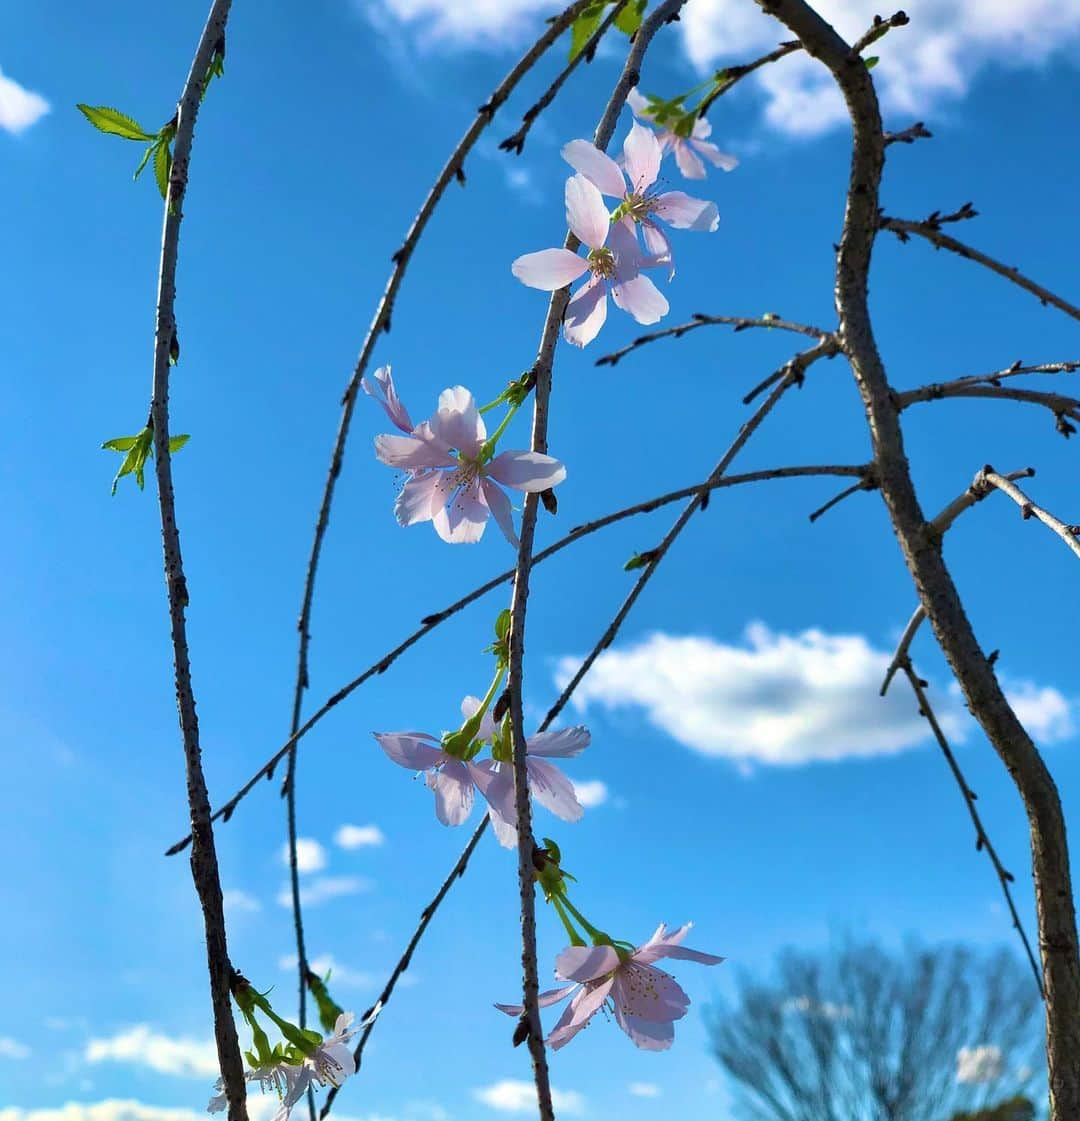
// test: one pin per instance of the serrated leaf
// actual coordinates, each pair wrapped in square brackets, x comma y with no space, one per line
[629,19]
[582,29]
[112,121]
[150,148]
[162,166]
[177,442]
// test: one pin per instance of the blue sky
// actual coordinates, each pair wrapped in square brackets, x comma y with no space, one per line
[310,161]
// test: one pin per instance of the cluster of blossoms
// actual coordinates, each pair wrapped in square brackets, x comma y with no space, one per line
[615,258]
[304,1060]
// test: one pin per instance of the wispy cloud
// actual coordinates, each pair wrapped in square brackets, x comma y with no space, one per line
[784,699]
[979,1064]
[310,855]
[644,1089]
[142,1046]
[923,67]
[236,900]
[591,793]
[340,975]
[19,107]
[359,836]
[13,1049]
[325,888]
[511,1096]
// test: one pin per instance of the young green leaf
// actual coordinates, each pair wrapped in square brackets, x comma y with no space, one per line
[150,149]
[162,166]
[177,442]
[872,61]
[582,29]
[629,19]
[120,444]
[114,122]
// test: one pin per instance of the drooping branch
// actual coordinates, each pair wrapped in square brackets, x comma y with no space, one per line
[1017,369]
[982,840]
[1060,405]
[738,322]
[430,622]
[516,142]
[923,554]
[1028,509]
[204,865]
[930,229]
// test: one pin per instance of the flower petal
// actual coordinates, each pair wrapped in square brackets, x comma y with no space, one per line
[623,242]
[544,1000]
[462,520]
[659,247]
[527,471]
[687,213]
[389,400]
[689,164]
[641,298]
[411,453]
[585,963]
[563,744]
[454,792]
[723,160]
[586,214]
[419,498]
[499,505]
[648,992]
[416,750]
[647,1036]
[579,1012]
[549,269]
[598,167]
[641,154]
[552,789]
[639,103]
[586,312]
[458,422]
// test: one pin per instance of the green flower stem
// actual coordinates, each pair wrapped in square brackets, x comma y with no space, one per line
[571,931]
[488,449]
[598,936]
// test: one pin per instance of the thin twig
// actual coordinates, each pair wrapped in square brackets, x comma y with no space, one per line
[1028,509]
[917,131]
[734,74]
[937,529]
[430,622]
[1017,369]
[982,841]
[740,323]
[542,372]
[516,143]
[931,231]
[864,484]
[1059,404]
[204,865]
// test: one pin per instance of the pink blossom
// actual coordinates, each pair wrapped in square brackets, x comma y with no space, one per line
[389,400]
[453,780]
[614,261]
[547,784]
[452,482]
[639,205]
[687,149]
[646,1001]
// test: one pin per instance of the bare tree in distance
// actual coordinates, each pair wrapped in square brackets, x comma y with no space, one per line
[856,1032]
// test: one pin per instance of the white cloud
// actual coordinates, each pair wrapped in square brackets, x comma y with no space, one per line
[784,699]
[644,1089]
[979,1064]
[114,1109]
[310,855]
[19,108]
[511,1096]
[923,66]
[236,900]
[324,888]
[13,1049]
[359,836]
[340,975]
[190,1058]
[591,793]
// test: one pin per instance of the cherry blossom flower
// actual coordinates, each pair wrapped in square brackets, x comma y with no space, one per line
[688,150]
[614,261]
[639,204]
[333,1061]
[646,1001]
[547,784]
[389,400]
[289,1081]
[453,780]
[452,481]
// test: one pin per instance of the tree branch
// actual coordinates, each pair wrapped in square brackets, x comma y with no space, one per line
[930,229]
[1060,405]
[204,865]
[740,323]
[1028,509]
[917,131]
[516,143]
[982,840]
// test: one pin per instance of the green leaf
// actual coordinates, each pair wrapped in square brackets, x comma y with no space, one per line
[114,122]
[177,442]
[150,148]
[329,1011]
[582,29]
[120,444]
[629,19]
[872,61]
[139,448]
[635,562]
[502,625]
[162,166]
